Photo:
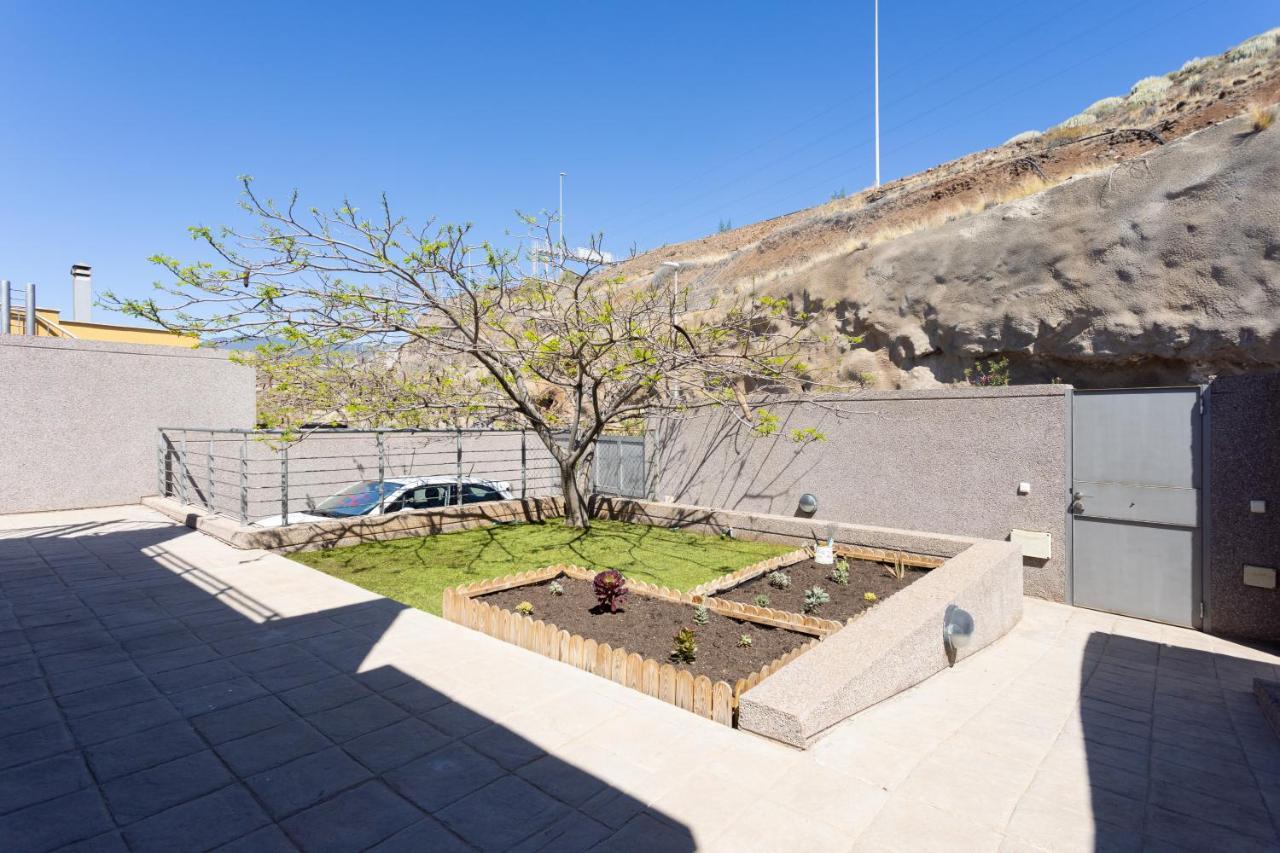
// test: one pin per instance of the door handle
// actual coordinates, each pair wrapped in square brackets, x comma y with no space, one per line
[1077,502]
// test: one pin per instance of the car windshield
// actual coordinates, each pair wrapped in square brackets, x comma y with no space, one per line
[359,499]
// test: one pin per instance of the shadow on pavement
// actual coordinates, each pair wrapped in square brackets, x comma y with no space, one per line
[145,705]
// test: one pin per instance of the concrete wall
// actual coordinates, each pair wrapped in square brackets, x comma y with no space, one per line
[946,461]
[79,418]
[1244,465]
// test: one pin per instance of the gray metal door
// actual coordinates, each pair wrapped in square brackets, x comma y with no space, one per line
[1136,474]
[620,466]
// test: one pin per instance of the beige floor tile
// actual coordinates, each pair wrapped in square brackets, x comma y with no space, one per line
[1049,826]
[907,825]
[839,799]
[985,789]
[768,827]
[849,751]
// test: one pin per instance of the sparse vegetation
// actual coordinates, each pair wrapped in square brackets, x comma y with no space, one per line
[1259,45]
[840,572]
[1149,90]
[555,588]
[1195,66]
[725,225]
[1262,117]
[761,601]
[838,194]
[744,641]
[1079,120]
[525,608]
[1104,106]
[701,615]
[993,372]
[686,650]
[779,580]
[898,570]
[1025,136]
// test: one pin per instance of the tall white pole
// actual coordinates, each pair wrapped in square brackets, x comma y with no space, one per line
[560,213]
[877,73]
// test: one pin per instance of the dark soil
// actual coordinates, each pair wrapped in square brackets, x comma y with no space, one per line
[846,601]
[649,625]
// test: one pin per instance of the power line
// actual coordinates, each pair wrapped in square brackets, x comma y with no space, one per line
[927,112]
[929,84]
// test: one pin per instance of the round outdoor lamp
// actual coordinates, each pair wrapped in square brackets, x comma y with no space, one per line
[957,630]
[808,503]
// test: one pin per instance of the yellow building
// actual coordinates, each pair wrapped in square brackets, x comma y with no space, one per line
[50,324]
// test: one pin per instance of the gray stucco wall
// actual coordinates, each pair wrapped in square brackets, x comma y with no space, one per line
[79,418]
[1244,465]
[944,461]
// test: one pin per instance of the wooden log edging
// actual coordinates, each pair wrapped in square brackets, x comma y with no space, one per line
[716,701]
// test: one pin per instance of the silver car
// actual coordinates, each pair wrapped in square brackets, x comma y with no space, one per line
[371,497]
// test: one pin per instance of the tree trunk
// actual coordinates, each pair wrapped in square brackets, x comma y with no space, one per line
[575,500]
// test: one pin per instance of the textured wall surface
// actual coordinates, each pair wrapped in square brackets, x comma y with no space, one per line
[940,461]
[1244,465]
[79,418]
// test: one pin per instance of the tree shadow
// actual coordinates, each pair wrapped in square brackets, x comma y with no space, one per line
[1178,753]
[149,703]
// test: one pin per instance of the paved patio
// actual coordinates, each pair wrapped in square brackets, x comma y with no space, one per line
[161,691]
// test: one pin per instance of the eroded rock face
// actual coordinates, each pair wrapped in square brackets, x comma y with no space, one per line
[1163,269]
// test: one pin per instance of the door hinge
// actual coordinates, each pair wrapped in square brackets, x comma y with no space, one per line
[1202,404]
[1202,611]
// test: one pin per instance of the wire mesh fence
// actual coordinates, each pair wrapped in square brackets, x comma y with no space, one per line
[253,475]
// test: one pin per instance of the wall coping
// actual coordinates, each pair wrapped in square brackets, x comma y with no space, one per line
[110,348]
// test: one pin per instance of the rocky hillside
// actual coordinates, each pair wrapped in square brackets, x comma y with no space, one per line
[1136,243]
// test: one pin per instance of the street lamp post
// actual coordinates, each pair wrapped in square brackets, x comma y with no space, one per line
[877,85]
[560,210]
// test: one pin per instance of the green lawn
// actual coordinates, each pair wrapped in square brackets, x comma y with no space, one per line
[416,571]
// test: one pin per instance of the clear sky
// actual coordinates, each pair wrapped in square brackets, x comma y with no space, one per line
[123,123]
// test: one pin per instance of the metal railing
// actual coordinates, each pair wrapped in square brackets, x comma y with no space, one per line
[619,467]
[254,474]
[11,307]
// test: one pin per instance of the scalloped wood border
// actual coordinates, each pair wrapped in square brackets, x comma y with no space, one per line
[716,701]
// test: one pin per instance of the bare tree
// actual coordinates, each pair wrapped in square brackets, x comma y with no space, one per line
[343,302]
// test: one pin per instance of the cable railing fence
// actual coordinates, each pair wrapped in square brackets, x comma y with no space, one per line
[252,475]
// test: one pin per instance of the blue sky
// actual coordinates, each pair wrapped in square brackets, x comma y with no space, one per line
[122,124]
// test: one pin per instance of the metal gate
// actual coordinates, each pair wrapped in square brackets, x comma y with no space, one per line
[1136,502]
[619,467]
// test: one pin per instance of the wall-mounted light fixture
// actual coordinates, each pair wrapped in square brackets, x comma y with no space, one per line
[957,630]
[808,503]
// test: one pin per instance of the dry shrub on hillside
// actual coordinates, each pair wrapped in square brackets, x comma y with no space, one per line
[1262,117]
[1149,90]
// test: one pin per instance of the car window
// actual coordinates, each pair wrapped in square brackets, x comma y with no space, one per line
[356,500]
[426,497]
[474,493]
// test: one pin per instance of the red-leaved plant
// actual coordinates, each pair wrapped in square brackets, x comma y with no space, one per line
[611,589]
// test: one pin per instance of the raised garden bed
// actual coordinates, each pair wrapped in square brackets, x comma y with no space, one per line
[648,626]
[869,572]
[642,635]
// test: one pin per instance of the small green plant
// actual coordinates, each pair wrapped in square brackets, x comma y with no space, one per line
[525,608]
[761,601]
[686,649]
[869,596]
[744,641]
[840,572]
[994,372]
[897,571]
[779,579]
[839,194]
[555,588]
[815,597]
[725,225]
[701,615]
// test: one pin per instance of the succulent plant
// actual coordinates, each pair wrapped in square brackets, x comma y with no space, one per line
[840,573]
[898,571]
[744,640]
[815,597]
[524,608]
[779,579]
[700,615]
[686,646]
[555,588]
[610,588]
[869,596]
[761,601]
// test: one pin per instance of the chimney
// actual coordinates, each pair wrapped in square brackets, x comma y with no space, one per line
[81,293]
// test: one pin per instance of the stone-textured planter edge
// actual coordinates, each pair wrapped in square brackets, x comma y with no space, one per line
[717,701]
